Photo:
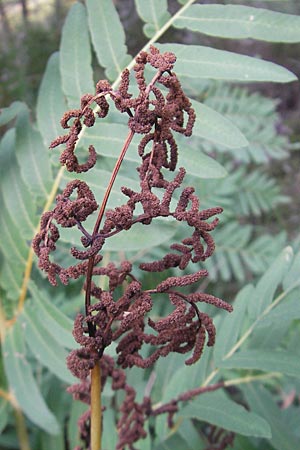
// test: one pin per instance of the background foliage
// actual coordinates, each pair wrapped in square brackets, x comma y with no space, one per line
[239,138]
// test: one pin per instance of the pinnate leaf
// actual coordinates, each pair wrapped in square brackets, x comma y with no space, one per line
[51,103]
[17,213]
[108,37]
[215,127]
[154,13]
[75,56]
[265,360]
[216,409]
[43,345]
[9,113]
[261,401]
[241,22]
[267,285]
[22,383]
[231,325]
[33,157]
[54,321]
[205,62]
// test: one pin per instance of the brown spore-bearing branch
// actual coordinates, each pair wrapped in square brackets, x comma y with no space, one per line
[122,312]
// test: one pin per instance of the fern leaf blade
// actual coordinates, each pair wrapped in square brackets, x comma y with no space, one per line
[110,47]
[75,56]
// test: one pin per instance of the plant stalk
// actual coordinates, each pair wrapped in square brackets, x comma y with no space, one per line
[21,429]
[96,412]
[100,216]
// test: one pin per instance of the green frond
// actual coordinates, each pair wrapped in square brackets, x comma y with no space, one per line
[256,116]
[239,254]
[256,194]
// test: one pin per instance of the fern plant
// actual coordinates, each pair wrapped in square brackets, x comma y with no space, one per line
[35,318]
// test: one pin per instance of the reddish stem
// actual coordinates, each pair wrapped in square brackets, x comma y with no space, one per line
[98,222]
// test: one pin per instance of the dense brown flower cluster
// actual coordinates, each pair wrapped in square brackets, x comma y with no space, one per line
[120,313]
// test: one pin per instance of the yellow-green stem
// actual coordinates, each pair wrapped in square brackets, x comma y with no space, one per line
[96,411]
[22,433]
[250,378]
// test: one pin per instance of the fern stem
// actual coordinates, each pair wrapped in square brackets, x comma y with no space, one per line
[21,430]
[112,180]
[99,218]
[250,378]
[96,412]
[6,395]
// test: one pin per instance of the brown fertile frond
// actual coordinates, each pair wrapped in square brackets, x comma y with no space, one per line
[117,305]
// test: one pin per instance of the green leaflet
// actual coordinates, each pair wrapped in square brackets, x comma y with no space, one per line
[76,57]
[54,321]
[18,202]
[285,312]
[230,328]
[268,337]
[154,13]
[22,382]
[241,22]
[190,433]
[59,403]
[242,443]
[267,285]
[98,180]
[265,360]
[109,46]
[15,223]
[237,250]
[205,62]
[216,128]
[8,114]
[33,158]
[16,196]
[173,377]
[76,410]
[4,414]
[215,408]
[262,251]
[140,238]
[51,103]
[260,401]
[165,369]
[43,345]
[51,442]
[187,377]
[292,275]
[258,193]
[11,272]
[198,163]
[257,118]
[109,427]
[175,442]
